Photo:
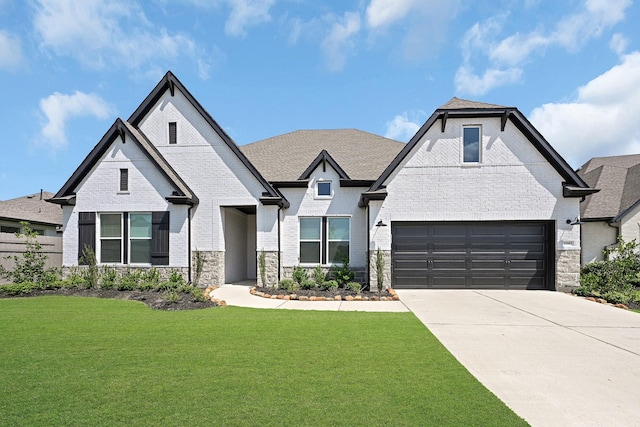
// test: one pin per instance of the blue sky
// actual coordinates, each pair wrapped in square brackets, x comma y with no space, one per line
[261,68]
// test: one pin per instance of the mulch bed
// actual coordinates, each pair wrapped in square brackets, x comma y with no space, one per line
[153,299]
[319,295]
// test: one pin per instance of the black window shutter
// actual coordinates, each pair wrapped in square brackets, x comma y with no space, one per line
[86,234]
[124,179]
[173,133]
[125,237]
[160,238]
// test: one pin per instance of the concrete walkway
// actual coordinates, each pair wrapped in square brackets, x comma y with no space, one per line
[238,295]
[555,359]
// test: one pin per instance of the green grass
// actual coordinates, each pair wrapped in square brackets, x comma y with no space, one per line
[81,361]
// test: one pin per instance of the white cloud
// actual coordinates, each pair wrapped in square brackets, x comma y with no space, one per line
[338,43]
[507,56]
[601,121]
[618,43]
[10,51]
[469,82]
[59,108]
[101,34]
[381,13]
[246,13]
[403,126]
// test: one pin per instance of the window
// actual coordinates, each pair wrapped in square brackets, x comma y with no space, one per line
[124,179]
[125,238]
[9,229]
[140,238]
[471,144]
[38,231]
[324,240]
[323,188]
[111,238]
[173,133]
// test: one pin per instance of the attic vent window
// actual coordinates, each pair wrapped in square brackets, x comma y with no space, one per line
[173,133]
[124,179]
[323,188]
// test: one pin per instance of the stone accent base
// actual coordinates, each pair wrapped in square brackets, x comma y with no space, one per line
[270,268]
[373,270]
[287,272]
[567,270]
[212,268]
[165,271]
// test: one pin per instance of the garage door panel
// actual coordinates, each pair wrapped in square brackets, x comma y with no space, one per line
[512,255]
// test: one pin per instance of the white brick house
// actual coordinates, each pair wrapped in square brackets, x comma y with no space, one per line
[477,198]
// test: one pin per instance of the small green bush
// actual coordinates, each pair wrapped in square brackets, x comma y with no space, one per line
[30,265]
[319,276]
[146,286]
[308,284]
[151,276]
[299,274]
[342,272]
[176,277]
[329,285]
[289,285]
[90,275]
[22,288]
[198,294]
[354,287]
[129,280]
[108,277]
[172,296]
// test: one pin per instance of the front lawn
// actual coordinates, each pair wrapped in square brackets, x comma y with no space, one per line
[82,361]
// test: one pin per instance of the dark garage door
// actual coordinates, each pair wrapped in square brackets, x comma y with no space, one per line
[478,255]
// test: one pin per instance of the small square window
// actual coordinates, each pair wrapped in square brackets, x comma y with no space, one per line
[324,188]
[471,144]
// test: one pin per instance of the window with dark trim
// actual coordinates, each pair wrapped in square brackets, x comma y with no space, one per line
[173,133]
[471,136]
[324,240]
[124,179]
[9,229]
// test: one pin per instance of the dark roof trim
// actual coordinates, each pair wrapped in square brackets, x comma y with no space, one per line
[33,222]
[274,201]
[505,114]
[626,211]
[356,183]
[608,219]
[324,156]
[290,184]
[574,191]
[66,195]
[170,82]
[371,195]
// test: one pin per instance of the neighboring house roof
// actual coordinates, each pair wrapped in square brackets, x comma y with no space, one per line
[618,178]
[574,186]
[181,193]
[360,155]
[32,208]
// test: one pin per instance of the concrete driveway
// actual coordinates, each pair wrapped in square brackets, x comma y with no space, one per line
[555,359]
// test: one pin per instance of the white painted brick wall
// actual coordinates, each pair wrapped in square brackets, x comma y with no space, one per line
[513,182]
[344,203]
[630,225]
[211,170]
[595,237]
[99,192]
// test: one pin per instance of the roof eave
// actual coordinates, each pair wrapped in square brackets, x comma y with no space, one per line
[574,191]
[367,196]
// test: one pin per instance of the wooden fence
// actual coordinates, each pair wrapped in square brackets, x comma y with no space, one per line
[11,245]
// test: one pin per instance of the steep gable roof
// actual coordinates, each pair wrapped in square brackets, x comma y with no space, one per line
[171,83]
[574,186]
[361,155]
[618,178]
[32,208]
[120,129]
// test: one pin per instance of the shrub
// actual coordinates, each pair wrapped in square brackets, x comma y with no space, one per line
[319,276]
[90,274]
[108,277]
[308,284]
[30,266]
[129,280]
[74,278]
[354,287]
[198,294]
[146,286]
[21,288]
[289,285]
[342,273]
[299,274]
[262,261]
[151,276]
[176,277]
[329,285]
[172,296]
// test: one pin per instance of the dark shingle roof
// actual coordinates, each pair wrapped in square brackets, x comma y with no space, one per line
[463,104]
[32,208]
[618,178]
[362,155]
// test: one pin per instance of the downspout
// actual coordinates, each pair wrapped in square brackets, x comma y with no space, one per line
[279,261]
[368,249]
[189,241]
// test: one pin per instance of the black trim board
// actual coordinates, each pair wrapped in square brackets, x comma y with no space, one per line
[324,156]
[170,82]
[512,114]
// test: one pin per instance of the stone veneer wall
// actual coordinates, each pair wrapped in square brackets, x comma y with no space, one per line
[212,270]
[373,271]
[165,271]
[271,268]
[567,270]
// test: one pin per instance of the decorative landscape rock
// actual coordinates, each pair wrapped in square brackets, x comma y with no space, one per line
[340,294]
